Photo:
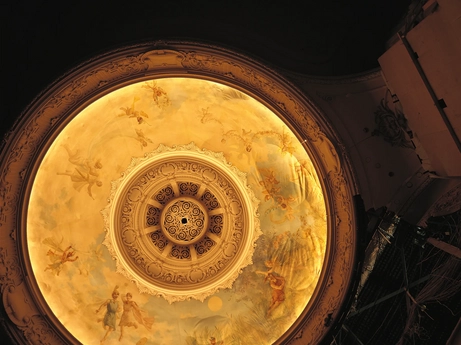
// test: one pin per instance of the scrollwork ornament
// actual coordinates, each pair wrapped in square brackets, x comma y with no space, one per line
[310,127]
[69,94]
[39,332]
[9,198]
[10,271]
[392,126]
[128,65]
[196,60]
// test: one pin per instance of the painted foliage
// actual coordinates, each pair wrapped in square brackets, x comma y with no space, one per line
[65,228]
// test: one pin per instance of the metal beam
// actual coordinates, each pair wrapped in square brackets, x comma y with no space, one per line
[405,279]
[382,299]
[446,247]
[348,330]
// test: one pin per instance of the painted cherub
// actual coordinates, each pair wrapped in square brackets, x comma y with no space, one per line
[132,315]
[88,165]
[159,95]
[130,112]
[81,179]
[140,136]
[58,257]
[66,256]
[110,317]
[277,283]
[270,268]
[85,173]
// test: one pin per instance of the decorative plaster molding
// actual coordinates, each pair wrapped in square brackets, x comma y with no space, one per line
[163,234]
[449,202]
[392,126]
[33,133]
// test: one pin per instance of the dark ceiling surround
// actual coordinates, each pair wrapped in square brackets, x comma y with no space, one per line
[42,40]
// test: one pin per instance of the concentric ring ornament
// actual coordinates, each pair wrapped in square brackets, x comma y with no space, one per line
[181,222]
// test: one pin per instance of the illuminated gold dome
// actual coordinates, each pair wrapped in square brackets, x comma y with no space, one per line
[189,184]
[182,220]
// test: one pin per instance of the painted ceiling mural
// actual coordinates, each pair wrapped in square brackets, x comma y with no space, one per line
[75,270]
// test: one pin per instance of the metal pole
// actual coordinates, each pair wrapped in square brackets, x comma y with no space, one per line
[446,247]
[382,299]
[348,330]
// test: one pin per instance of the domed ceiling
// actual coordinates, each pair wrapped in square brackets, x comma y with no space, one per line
[208,156]
[175,193]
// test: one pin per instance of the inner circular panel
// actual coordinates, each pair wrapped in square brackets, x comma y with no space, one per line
[175,254]
[184,221]
[77,274]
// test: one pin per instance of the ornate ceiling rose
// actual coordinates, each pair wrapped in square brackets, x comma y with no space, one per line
[181,222]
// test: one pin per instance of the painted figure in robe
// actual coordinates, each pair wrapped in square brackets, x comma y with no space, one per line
[132,315]
[110,317]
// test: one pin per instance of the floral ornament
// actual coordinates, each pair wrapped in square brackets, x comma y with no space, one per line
[248,137]
[281,205]
[245,137]
[285,140]
[271,190]
[391,126]
[286,143]
[206,116]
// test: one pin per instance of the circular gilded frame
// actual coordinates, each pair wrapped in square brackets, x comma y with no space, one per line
[238,209]
[27,142]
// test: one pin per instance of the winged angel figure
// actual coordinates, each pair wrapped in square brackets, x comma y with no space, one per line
[159,95]
[58,256]
[85,173]
[130,112]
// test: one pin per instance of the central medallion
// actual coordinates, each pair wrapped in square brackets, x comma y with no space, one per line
[181,223]
[184,221]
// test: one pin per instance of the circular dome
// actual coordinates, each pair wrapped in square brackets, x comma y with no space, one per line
[182,222]
[180,188]
[227,204]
